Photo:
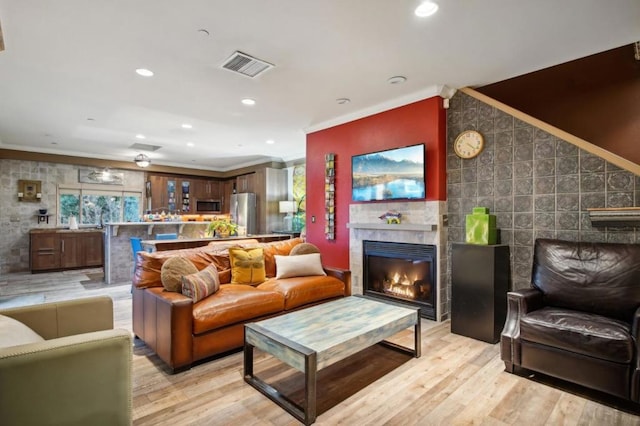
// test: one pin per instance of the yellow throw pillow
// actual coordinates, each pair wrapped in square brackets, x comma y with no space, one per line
[247,266]
[173,270]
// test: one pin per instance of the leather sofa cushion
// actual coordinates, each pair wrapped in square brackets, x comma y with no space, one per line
[234,303]
[298,291]
[283,248]
[579,332]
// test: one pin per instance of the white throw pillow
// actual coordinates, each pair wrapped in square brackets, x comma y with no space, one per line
[298,266]
[14,333]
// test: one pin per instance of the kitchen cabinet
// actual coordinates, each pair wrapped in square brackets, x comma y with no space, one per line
[246,183]
[158,192]
[227,190]
[64,249]
[206,189]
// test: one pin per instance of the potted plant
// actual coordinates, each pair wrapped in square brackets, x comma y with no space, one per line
[221,228]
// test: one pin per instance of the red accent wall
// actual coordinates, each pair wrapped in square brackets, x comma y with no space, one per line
[419,122]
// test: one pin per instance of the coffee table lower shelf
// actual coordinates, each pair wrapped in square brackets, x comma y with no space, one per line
[317,337]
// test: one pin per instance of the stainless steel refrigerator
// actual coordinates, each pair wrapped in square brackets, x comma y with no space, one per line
[243,211]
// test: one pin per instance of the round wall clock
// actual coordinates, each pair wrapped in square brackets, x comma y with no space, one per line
[468,144]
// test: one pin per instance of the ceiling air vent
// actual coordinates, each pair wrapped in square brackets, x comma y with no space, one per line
[145,147]
[246,65]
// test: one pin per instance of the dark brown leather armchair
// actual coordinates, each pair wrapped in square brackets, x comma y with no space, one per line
[580,320]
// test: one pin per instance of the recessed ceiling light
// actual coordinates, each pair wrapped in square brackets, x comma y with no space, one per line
[91,119]
[187,126]
[248,101]
[144,72]
[271,141]
[343,101]
[398,79]
[190,143]
[426,8]
[140,136]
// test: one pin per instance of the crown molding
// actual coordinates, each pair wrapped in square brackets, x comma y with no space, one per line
[441,90]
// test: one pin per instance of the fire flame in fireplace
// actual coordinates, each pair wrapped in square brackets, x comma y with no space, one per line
[401,285]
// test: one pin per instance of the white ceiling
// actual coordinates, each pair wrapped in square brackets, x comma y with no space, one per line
[69,61]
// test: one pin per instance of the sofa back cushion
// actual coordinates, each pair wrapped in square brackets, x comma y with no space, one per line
[602,278]
[149,265]
[282,248]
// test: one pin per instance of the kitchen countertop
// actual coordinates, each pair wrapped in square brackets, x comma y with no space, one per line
[61,230]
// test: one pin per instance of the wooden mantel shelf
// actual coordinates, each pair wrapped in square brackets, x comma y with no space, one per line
[423,227]
[623,216]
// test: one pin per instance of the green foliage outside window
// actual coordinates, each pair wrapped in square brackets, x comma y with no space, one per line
[91,207]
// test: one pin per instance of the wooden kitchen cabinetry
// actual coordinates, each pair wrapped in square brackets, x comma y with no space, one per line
[227,190]
[206,189]
[63,249]
[246,183]
[158,192]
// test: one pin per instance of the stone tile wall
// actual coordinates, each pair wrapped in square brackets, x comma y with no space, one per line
[18,217]
[537,185]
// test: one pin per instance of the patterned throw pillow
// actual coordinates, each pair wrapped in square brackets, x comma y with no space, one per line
[247,266]
[172,271]
[201,284]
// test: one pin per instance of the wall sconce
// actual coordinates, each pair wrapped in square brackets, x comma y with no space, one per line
[38,195]
[20,195]
[287,207]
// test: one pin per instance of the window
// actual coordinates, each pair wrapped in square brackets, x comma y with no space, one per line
[97,206]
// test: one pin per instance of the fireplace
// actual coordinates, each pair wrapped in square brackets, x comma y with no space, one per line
[401,272]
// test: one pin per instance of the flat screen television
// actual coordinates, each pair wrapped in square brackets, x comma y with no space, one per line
[394,174]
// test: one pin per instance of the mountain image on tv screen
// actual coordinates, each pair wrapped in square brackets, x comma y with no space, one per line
[389,175]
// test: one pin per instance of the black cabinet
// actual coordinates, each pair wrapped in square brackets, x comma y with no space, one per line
[479,283]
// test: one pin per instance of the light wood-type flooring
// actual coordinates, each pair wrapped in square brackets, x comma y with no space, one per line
[457,381]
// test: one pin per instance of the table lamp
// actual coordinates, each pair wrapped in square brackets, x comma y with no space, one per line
[288,207]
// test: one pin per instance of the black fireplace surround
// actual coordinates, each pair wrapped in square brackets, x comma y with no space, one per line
[402,272]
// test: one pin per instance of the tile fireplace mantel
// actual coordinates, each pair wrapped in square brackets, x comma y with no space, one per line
[426,227]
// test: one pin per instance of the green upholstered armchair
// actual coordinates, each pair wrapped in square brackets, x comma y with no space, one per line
[79,375]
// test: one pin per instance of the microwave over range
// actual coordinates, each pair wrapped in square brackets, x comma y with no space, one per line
[208,206]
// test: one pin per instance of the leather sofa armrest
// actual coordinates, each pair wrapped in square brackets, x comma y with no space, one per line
[168,319]
[343,275]
[519,303]
[85,378]
[635,378]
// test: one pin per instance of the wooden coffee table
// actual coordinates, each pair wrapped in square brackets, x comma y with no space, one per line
[314,338]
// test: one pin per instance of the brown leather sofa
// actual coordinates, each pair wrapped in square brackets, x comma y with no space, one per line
[580,320]
[181,332]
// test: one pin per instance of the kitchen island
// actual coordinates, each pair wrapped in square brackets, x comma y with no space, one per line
[118,255]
